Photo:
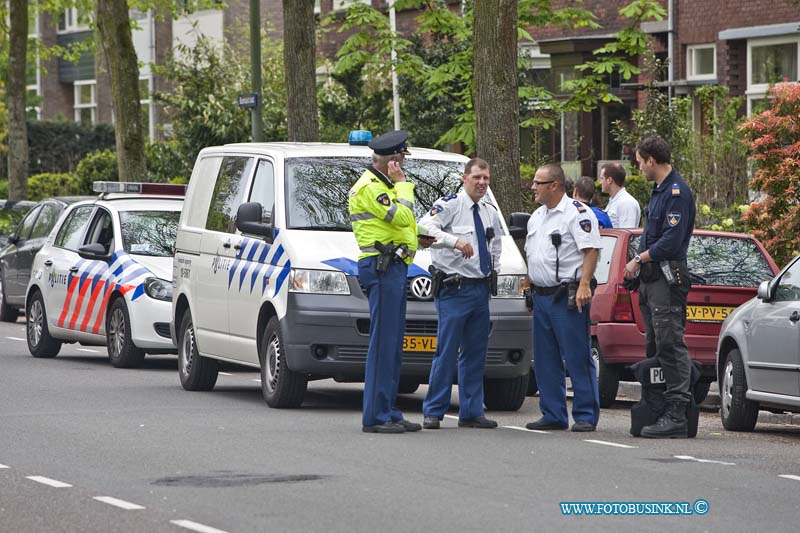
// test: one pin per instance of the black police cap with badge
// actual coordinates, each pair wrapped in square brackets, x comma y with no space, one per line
[390,143]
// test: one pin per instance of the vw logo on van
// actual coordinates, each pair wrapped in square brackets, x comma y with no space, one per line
[421,288]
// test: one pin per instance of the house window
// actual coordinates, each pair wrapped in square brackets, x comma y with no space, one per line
[73,19]
[148,122]
[85,102]
[701,62]
[770,61]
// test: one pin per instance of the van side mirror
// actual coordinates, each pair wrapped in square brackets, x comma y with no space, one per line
[248,220]
[518,225]
[764,292]
[94,252]
[13,238]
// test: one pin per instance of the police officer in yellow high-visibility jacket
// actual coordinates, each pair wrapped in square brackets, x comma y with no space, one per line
[381,212]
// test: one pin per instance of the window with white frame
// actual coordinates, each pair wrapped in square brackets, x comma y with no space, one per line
[770,61]
[148,119]
[85,101]
[701,62]
[73,19]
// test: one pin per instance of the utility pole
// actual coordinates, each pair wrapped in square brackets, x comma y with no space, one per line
[255,66]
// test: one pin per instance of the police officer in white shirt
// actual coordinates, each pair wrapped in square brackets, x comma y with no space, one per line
[562,246]
[623,209]
[467,247]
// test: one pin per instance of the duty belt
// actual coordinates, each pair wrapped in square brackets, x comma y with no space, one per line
[545,291]
[459,279]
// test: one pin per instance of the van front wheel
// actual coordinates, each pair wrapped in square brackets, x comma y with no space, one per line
[280,386]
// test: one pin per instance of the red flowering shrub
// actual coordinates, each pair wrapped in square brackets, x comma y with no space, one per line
[774,140]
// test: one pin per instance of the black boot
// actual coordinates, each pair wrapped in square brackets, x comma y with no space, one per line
[671,425]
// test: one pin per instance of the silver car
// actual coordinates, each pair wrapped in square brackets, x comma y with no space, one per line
[758,355]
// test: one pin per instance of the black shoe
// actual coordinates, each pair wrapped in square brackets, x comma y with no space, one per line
[477,422]
[581,426]
[388,427]
[671,425]
[431,422]
[543,424]
[409,426]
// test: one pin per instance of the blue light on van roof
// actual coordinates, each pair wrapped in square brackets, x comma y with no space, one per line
[360,137]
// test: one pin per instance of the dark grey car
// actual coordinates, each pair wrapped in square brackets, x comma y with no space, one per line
[17,256]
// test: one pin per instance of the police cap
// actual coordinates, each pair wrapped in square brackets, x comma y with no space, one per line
[393,142]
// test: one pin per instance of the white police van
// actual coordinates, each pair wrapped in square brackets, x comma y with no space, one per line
[265,274]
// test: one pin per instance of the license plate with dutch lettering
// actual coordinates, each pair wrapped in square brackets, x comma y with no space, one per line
[412,343]
[708,313]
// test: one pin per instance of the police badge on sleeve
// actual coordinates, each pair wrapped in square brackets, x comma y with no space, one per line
[383,199]
[673,218]
[586,225]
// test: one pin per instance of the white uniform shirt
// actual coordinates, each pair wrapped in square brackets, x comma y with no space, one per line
[624,210]
[577,225]
[451,219]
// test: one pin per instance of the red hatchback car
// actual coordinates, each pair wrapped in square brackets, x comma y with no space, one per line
[726,269]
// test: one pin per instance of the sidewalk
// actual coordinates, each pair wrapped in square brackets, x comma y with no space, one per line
[631,392]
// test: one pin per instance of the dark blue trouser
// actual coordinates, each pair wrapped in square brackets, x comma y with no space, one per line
[463,334]
[387,312]
[562,336]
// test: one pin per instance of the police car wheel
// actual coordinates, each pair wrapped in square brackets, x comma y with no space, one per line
[607,377]
[121,350]
[197,373]
[737,412]
[7,314]
[40,343]
[505,394]
[280,386]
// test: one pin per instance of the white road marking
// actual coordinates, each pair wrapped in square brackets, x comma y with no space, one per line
[194,526]
[4,466]
[606,443]
[15,339]
[695,459]
[47,481]
[528,430]
[451,416]
[87,350]
[790,476]
[122,504]
[226,374]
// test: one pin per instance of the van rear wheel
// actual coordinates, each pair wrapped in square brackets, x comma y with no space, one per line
[280,386]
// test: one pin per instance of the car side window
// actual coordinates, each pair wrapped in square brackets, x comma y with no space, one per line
[788,289]
[47,219]
[27,224]
[101,230]
[263,190]
[228,193]
[70,236]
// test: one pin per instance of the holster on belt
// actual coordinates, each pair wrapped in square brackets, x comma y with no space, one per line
[436,280]
[388,253]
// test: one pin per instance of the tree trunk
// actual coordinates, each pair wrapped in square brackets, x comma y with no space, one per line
[496,99]
[113,24]
[299,57]
[17,128]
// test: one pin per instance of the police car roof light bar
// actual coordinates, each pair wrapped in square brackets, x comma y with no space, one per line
[165,189]
[360,137]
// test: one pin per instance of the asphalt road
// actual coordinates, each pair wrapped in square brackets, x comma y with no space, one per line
[85,447]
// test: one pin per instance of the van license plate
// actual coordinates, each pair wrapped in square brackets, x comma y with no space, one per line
[707,313]
[657,375]
[419,344]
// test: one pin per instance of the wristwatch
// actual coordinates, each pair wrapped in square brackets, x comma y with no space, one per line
[637,258]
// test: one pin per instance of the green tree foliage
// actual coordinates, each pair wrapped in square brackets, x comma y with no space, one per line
[774,141]
[207,79]
[58,146]
[100,165]
[45,185]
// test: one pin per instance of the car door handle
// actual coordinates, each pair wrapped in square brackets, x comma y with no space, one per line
[48,263]
[73,269]
[795,317]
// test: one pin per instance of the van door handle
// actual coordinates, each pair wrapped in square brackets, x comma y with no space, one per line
[795,317]
[226,244]
[237,246]
[48,263]
[73,269]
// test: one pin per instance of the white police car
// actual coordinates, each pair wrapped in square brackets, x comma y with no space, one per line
[266,274]
[103,276]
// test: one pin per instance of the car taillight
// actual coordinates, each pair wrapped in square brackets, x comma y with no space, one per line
[623,307]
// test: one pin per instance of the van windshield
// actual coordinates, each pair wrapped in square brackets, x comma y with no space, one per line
[317,188]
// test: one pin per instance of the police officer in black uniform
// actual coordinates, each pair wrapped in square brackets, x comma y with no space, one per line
[660,265]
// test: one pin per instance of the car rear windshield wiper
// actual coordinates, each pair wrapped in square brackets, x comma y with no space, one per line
[323,227]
